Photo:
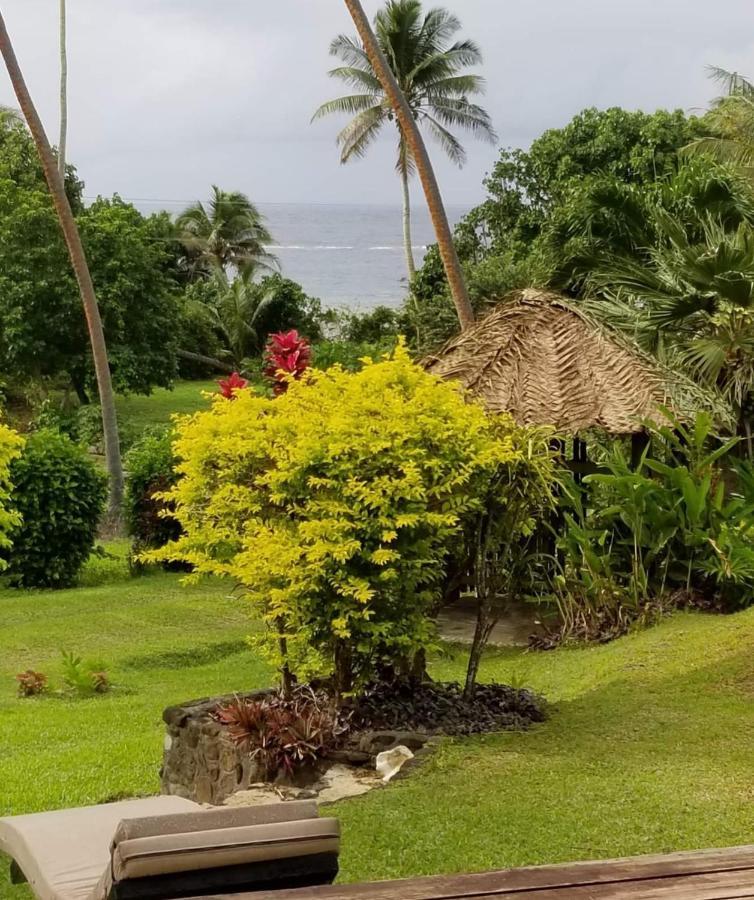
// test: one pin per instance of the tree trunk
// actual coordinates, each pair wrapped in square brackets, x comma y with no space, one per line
[484,625]
[83,276]
[63,93]
[415,142]
[343,667]
[410,264]
[207,360]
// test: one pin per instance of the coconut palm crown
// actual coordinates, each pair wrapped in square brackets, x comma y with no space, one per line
[228,233]
[429,70]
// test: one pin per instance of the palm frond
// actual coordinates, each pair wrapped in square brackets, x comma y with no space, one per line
[724,150]
[448,141]
[460,113]
[733,82]
[357,78]
[350,51]
[357,136]
[459,86]
[446,63]
[357,103]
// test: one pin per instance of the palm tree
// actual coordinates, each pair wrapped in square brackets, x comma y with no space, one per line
[63,93]
[228,233]
[690,301]
[81,270]
[732,121]
[408,73]
[236,310]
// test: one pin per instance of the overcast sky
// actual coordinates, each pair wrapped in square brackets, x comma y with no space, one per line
[169,96]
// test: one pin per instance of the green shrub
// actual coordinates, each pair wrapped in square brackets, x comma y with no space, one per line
[150,465]
[60,494]
[87,429]
[349,354]
[10,448]
[336,506]
[670,531]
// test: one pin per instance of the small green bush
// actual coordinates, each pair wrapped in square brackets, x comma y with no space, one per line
[60,494]
[349,354]
[87,429]
[150,465]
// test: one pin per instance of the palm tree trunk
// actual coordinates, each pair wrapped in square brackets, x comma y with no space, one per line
[81,270]
[63,93]
[413,138]
[410,264]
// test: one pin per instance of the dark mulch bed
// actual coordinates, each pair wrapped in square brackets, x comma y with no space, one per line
[440,708]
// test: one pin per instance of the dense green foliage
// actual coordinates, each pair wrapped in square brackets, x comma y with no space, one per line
[42,327]
[676,529]
[521,232]
[227,233]
[231,318]
[10,448]
[59,493]
[150,465]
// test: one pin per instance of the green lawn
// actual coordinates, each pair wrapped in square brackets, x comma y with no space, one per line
[139,411]
[648,747]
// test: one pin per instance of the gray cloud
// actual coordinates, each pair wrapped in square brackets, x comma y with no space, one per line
[167,96]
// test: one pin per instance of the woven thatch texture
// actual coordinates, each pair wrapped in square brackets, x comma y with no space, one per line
[538,358]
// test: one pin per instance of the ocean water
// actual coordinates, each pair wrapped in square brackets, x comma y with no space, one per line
[350,256]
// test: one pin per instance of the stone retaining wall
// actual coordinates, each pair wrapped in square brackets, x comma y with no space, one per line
[199,762]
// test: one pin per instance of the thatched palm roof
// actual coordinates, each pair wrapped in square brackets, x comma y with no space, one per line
[546,363]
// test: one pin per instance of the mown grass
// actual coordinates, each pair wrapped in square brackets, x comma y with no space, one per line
[648,746]
[138,411]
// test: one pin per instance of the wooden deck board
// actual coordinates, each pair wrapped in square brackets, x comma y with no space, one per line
[725,874]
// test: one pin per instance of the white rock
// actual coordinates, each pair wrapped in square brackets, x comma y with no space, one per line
[390,762]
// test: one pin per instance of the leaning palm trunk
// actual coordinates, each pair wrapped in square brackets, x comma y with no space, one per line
[63,93]
[410,264]
[415,142]
[81,270]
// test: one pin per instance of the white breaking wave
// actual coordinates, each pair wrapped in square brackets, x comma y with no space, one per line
[309,247]
[399,247]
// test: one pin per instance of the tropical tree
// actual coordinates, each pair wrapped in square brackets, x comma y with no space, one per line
[81,270]
[63,92]
[235,308]
[226,234]
[409,73]
[240,313]
[691,301]
[731,121]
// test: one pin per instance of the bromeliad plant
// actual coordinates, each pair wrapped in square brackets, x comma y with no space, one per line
[285,734]
[335,506]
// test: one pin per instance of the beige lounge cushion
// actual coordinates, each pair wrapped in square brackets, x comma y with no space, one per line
[220,817]
[64,853]
[166,854]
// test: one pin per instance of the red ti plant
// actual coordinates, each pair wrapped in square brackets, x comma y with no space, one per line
[287,354]
[228,386]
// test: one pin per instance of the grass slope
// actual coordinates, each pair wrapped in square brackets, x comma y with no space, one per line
[648,746]
[139,411]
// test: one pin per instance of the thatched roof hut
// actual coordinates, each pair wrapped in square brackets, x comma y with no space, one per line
[541,359]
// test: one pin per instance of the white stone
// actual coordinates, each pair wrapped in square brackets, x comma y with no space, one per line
[341,781]
[390,762]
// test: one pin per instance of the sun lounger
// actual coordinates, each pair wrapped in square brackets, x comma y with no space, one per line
[166,847]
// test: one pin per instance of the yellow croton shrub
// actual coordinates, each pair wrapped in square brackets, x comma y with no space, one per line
[10,448]
[335,506]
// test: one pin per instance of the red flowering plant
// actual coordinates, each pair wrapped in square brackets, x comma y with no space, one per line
[228,386]
[287,354]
